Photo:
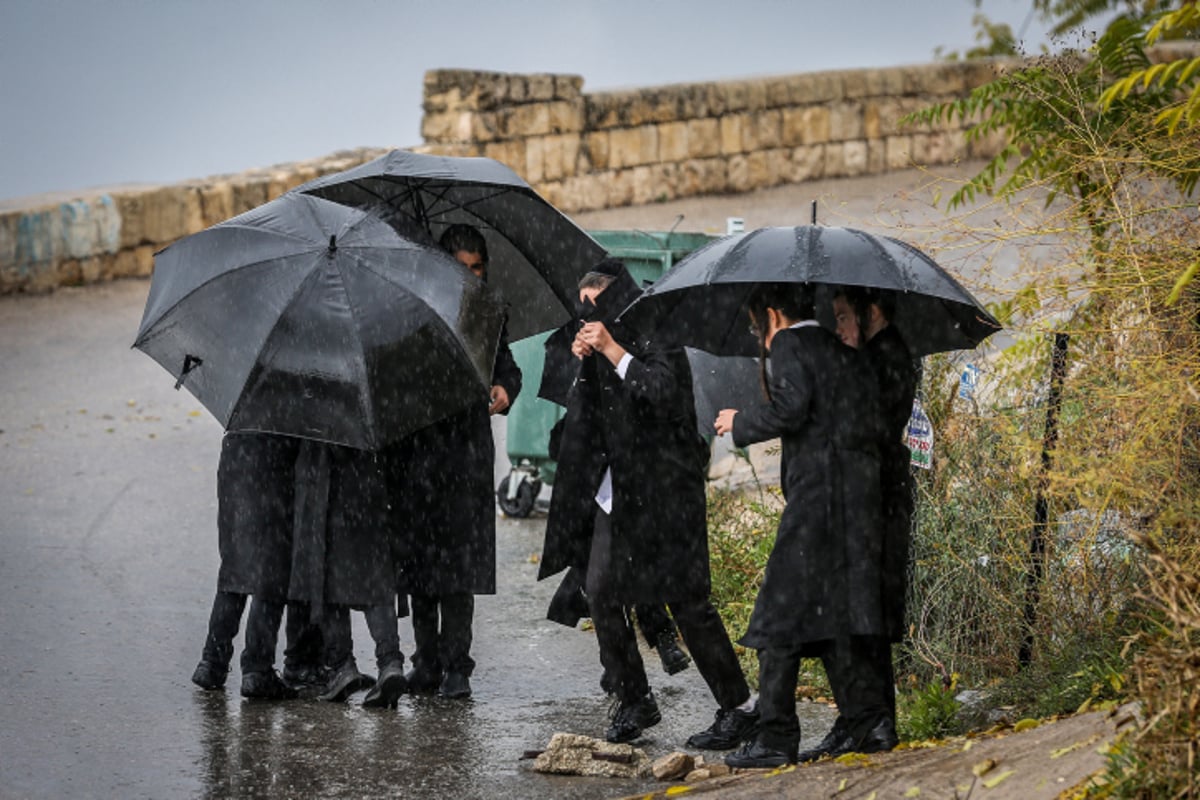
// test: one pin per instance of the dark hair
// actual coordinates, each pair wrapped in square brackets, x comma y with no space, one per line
[861,298]
[464,237]
[793,300]
[596,280]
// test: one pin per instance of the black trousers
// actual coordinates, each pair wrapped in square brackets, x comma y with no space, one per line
[224,621]
[852,665]
[339,643]
[262,631]
[442,632]
[304,644]
[699,624]
[653,621]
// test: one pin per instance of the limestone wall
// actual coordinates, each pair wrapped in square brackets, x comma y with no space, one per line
[111,234]
[587,151]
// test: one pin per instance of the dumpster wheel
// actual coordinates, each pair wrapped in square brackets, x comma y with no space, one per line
[522,503]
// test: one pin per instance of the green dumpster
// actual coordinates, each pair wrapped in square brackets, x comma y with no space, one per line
[647,254]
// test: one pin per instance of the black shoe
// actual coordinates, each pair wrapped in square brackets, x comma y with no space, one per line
[455,686]
[673,659]
[423,681]
[755,755]
[387,690]
[836,743]
[209,676]
[345,682]
[630,718]
[266,686]
[728,730]
[306,675]
[880,739]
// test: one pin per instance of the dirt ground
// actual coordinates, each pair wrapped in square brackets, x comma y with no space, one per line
[1041,763]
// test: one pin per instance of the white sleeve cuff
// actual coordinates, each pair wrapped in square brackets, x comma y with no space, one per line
[623,365]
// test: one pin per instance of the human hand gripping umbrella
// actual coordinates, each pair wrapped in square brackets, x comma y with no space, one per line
[312,319]
[537,254]
[700,302]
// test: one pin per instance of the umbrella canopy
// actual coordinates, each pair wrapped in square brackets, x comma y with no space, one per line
[536,254]
[700,302]
[308,318]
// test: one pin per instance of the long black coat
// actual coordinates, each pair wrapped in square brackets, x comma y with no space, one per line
[644,428]
[896,375]
[441,484]
[344,550]
[823,576]
[255,490]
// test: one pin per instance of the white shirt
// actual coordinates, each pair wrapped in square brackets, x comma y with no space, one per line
[604,495]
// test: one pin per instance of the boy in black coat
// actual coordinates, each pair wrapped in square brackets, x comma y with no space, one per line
[629,507]
[821,592]
[443,477]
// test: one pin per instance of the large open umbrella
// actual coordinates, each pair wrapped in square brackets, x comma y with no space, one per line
[537,255]
[700,302]
[312,319]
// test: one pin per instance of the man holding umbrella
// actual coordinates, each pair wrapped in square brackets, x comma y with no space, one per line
[444,474]
[629,504]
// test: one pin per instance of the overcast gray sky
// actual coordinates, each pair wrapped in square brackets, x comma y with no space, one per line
[102,92]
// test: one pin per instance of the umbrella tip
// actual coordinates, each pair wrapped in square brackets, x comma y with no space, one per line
[333,244]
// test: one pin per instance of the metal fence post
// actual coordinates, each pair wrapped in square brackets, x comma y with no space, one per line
[1041,512]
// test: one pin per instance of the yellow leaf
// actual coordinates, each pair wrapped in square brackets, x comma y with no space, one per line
[913,792]
[1026,725]
[992,783]
[842,785]
[871,796]
[1062,751]
[674,790]
[983,767]
[853,759]
[194,413]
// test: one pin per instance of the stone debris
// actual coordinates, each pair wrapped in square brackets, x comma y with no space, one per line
[673,766]
[572,754]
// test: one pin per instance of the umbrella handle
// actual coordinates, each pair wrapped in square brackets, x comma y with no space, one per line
[190,362]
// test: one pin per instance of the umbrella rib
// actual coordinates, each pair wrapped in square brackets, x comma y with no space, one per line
[368,411]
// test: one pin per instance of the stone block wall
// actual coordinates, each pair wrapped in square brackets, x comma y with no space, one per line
[104,235]
[588,151]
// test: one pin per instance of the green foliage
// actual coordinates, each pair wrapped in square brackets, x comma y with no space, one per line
[929,713]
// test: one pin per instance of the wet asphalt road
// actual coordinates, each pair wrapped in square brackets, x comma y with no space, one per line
[108,561]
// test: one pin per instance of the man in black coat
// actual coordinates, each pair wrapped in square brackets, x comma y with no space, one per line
[345,556]
[629,507]
[820,594]
[255,478]
[863,317]
[442,477]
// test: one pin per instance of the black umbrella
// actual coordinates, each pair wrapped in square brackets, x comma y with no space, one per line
[537,255]
[308,318]
[700,302]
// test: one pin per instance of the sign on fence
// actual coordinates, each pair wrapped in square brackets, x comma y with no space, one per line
[920,437]
[968,381]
